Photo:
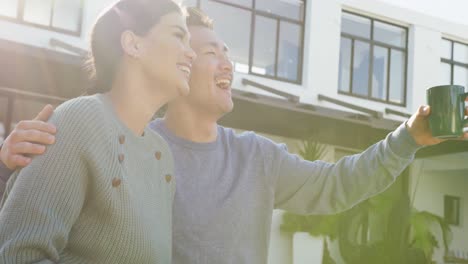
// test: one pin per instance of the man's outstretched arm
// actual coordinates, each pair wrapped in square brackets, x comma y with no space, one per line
[28,138]
[324,188]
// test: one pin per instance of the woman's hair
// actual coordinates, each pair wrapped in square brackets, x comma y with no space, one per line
[138,16]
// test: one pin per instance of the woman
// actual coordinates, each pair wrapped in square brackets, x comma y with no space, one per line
[103,192]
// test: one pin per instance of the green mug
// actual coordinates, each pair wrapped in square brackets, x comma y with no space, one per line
[447,103]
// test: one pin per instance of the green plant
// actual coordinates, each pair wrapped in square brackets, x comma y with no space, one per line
[422,236]
[312,150]
[383,229]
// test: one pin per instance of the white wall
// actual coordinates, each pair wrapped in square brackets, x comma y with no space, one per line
[281,244]
[431,179]
[423,64]
[307,249]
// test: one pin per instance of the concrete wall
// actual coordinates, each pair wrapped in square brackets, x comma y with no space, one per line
[431,180]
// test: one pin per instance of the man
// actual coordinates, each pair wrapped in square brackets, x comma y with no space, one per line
[228,184]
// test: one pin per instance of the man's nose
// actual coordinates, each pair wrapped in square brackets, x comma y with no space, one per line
[226,64]
[190,53]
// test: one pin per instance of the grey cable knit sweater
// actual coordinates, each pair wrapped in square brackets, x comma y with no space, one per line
[100,194]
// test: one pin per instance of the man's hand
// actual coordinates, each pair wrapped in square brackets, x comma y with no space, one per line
[28,138]
[418,126]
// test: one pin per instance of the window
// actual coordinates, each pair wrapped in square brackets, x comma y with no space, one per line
[58,15]
[265,37]
[454,63]
[373,59]
[452,210]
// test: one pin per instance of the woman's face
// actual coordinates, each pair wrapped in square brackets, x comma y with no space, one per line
[165,55]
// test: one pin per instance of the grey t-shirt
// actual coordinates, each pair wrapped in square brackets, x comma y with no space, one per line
[226,190]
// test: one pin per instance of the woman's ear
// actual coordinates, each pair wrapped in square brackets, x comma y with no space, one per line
[130,44]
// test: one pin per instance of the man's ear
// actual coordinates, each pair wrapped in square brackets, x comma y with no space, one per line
[130,44]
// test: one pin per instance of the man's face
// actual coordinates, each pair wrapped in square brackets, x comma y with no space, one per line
[211,76]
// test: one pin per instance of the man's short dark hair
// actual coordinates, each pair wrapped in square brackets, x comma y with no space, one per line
[196,17]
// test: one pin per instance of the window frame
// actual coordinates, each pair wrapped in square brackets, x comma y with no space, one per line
[19,19]
[254,13]
[452,203]
[372,43]
[452,62]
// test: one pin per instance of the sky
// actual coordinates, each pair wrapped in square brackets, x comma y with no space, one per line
[452,10]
